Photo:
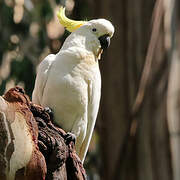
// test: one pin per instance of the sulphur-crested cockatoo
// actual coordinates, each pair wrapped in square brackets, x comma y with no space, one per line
[69,82]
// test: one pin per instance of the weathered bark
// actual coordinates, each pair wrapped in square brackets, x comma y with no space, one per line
[20,153]
[31,146]
[172,24]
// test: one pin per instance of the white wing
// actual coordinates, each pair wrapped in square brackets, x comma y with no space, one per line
[41,78]
[93,107]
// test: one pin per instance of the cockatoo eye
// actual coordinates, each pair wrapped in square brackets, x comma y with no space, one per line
[94,29]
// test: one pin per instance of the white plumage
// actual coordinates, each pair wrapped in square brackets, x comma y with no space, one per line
[70,82]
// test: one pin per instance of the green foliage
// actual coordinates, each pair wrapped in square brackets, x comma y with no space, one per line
[28,48]
[5,27]
[23,71]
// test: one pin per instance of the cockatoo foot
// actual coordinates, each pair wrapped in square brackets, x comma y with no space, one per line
[50,112]
[70,137]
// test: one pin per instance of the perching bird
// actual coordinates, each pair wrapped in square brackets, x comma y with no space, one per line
[70,82]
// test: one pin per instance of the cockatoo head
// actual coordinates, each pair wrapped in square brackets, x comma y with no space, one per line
[97,32]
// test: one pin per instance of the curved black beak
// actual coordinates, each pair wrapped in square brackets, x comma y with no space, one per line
[104,41]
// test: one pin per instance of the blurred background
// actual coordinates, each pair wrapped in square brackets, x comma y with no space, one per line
[137,134]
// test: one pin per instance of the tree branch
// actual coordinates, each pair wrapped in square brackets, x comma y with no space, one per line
[32,147]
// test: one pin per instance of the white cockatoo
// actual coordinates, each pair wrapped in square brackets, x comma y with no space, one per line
[69,82]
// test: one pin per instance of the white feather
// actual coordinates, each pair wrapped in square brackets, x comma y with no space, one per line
[70,83]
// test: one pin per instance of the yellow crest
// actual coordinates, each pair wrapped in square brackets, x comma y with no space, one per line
[70,25]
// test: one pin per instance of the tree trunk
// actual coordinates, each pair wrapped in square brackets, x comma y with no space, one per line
[121,69]
[134,129]
[31,146]
[172,17]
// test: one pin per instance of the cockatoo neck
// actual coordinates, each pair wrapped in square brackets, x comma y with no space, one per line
[83,41]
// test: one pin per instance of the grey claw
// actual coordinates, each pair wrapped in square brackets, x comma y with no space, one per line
[49,111]
[70,137]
